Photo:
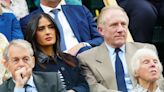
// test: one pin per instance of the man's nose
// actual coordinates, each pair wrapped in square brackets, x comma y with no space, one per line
[21,62]
[120,28]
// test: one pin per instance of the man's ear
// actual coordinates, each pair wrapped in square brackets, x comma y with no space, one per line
[5,63]
[100,30]
[33,61]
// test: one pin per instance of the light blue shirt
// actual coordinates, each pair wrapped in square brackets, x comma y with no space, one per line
[31,88]
[112,54]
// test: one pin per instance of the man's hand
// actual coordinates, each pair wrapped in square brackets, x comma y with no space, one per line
[21,77]
[73,51]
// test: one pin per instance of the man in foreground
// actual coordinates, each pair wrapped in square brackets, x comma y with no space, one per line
[19,60]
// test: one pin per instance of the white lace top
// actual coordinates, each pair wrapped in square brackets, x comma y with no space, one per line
[139,88]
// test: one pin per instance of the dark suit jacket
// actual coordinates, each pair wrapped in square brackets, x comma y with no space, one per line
[98,70]
[10,27]
[72,75]
[80,20]
[45,82]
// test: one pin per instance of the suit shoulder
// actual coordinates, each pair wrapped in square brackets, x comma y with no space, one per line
[76,7]
[140,45]
[72,6]
[90,52]
[45,73]
[9,15]
[27,17]
[48,77]
[5,84]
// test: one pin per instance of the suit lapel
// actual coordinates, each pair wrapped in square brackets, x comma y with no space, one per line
[106,69]
[11,86]
[41,85]
[71,20]
[129,54]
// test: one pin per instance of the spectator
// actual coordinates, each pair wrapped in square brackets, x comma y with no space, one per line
[77,24]
[143,15]
[17,7]
[106,67]
[10,26]
[19,60]
[44,36]
[146,69]
[3,44]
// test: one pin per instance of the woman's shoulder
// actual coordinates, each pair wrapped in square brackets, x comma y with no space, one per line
[68,59]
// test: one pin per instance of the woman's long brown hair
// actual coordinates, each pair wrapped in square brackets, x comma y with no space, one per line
[30,36]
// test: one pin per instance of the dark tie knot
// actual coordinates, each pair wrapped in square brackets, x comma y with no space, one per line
[117,50]
[55,11]
[27,85]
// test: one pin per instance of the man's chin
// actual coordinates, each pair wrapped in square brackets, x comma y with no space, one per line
[120,43]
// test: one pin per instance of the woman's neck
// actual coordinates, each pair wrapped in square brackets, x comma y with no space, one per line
[151,86]
[48,50]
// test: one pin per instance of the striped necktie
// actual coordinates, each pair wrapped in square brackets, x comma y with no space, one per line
[56,19]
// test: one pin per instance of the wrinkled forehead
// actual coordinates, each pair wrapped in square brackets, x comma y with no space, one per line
[17,50]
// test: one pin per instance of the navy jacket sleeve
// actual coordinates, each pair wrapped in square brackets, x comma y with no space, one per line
[73,77]
[96,38]
[81,83]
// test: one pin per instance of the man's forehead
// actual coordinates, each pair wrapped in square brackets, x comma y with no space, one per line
[18,51]
[116,12]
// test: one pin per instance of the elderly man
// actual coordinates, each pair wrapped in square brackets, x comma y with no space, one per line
[106,67]
[19,60]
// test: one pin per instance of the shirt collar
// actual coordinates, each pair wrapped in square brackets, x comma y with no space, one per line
[31,81]
[112,50]
[47,9]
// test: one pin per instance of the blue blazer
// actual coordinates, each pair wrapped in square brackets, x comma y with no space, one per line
[10,27]
[80,20]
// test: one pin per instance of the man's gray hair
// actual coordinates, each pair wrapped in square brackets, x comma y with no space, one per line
[18,43]
[101,19]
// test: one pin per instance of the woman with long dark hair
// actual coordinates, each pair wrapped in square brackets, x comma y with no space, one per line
[44,36]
